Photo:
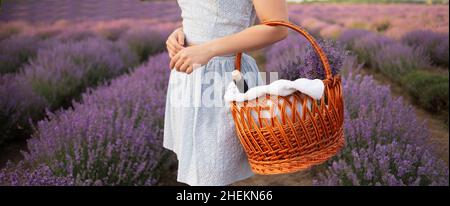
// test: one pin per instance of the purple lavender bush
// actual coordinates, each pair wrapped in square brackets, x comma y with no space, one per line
[75,34]
[60,68]
[367,47]
[62,71]
[144,41]
[18,104]
[393,164]
[373,115]
[349,36]
[113,136]
[396,59]
[429,90]
[112,32]
[16,51]
[393,59]
[294,58]
[406,63]
[385,143]
[20,175]
[436,45]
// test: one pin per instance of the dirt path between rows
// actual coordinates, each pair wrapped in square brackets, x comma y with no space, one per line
[303,178]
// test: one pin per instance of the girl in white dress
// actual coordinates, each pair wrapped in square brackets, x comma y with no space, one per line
[198,125]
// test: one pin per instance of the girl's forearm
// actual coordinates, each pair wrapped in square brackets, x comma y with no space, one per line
[250,39]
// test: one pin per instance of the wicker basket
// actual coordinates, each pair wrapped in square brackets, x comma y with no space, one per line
[299,132]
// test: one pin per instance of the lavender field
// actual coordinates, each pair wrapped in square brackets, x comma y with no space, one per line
[82,91]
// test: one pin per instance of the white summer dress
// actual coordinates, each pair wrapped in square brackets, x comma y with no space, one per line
[198,124]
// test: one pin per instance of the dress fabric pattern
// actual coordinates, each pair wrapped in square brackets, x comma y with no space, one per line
[200,131]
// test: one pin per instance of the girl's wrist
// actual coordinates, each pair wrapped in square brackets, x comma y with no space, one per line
[211,48]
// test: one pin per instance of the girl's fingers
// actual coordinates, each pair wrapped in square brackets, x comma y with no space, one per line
[174,43]
[184,67]
[174,60]
[173,48]
[171,54]
[180,37]
[179,63]
[169,49]
[189,70]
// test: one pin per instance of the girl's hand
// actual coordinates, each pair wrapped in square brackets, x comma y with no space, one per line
[190,58]
[175,42]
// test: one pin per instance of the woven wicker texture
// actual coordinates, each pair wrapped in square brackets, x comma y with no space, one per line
[284,134]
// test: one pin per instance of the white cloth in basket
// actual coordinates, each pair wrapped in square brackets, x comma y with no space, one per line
[313,88]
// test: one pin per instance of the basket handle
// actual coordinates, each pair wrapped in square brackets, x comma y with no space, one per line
[317,49]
